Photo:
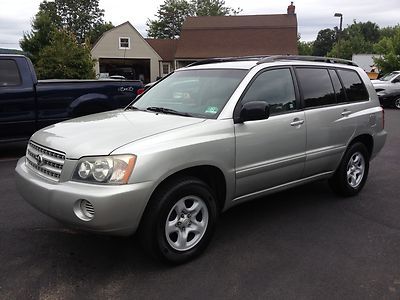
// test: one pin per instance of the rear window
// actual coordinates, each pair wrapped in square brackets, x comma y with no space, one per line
[9,74]
[355,88]
[316,87]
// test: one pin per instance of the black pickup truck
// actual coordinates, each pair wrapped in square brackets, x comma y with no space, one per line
[27,104]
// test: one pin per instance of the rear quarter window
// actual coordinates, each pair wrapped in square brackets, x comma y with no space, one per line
[353,85]
[9,74]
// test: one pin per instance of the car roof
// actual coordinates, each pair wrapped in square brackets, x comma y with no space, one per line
[247,63]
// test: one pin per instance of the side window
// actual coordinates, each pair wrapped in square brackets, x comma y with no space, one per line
[9,74]
[339,90]
[274,87]
[316,87]
[355,88]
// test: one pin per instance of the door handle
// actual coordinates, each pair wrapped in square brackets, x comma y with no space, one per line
[297,122]
[346,113]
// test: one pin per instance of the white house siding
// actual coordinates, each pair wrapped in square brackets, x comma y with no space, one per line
[108,48]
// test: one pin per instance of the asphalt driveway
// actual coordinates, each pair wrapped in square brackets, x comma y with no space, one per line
[305,243]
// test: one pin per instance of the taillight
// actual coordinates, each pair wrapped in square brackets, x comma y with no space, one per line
[139,91]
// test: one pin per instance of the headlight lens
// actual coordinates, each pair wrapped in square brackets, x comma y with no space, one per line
[106,170]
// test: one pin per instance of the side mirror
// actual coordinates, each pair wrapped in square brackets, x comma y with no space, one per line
[253,111]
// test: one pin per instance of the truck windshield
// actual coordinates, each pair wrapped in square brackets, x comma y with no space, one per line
[197,93]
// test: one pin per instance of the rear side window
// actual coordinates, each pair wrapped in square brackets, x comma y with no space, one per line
[9,74]
[274,87]
[339,90]
[355,88]
[316,87]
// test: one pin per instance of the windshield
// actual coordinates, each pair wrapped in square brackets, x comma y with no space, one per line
[389,77]
[197,93]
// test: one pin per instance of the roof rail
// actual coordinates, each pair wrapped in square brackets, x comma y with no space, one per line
[308,58]
[226,59]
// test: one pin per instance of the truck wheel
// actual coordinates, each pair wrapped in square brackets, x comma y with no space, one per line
[179,220]
[397,103]
[352,173]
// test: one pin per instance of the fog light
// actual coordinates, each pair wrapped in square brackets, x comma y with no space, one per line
[84,210]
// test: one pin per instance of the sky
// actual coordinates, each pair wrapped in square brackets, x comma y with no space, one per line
[312,15]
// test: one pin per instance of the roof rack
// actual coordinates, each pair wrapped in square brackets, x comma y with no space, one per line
[308,58]
[226,59]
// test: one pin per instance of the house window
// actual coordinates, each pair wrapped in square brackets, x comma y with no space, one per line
[165,68]
[124,43]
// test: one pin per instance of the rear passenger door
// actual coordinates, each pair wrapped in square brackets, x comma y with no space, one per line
[328,114]
[270,152]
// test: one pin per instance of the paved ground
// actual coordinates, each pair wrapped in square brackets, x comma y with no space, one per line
[305,243]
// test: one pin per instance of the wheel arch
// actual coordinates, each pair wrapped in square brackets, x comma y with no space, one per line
[211,175]
[366,140]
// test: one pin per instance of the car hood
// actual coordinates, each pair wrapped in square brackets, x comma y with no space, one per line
[101,134]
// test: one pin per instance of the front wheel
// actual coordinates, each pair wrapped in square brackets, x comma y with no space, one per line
[352,173]
[179,221]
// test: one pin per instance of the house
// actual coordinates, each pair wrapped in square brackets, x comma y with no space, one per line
[230,36]
[123,51]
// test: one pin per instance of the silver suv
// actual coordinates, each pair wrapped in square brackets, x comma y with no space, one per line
[203,139]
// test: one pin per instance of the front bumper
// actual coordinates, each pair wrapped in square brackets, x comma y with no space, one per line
[117,208]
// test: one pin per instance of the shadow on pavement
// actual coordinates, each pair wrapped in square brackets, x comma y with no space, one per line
[14,150]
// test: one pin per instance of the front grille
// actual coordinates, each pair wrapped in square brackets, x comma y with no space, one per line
[45,161]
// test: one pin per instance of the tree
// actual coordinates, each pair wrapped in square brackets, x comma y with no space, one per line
[357,38]
[76,16]
[324,42]
[64,57]
[171,15]
[39,37]
[213,8]
[97,32]
[304,48]
[389,48]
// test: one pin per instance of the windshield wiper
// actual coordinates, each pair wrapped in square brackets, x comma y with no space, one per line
[131,107]
[168,111]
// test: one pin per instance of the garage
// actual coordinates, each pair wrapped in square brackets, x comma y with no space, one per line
[134,69]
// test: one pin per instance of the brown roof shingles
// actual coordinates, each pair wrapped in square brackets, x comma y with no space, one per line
[166,48]
[205,37]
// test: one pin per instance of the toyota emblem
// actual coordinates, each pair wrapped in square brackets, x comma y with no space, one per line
[39,159]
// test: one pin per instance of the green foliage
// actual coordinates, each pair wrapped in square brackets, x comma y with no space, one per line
[389,48]
[213,8]
[65,58]
[61,34]
[76,16]
[304,48]
[98,30]
[171,15]
[324,42]
[357,38]
[169,19]
[39,37]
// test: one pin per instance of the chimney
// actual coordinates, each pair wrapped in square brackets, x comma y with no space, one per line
[291,8]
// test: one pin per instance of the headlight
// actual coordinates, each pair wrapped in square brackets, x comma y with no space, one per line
[106,169]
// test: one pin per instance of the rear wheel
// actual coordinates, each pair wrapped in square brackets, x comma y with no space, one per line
[352,173]
[397,103]
[179,221]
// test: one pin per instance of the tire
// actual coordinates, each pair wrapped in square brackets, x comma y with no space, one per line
[396,103]
[179,221]
[350,177]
